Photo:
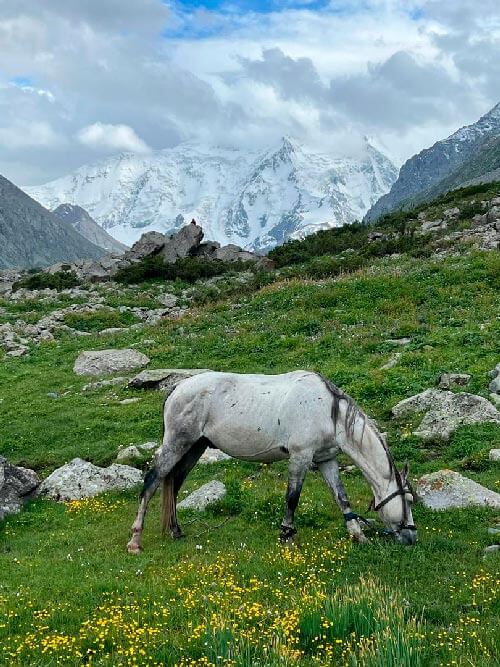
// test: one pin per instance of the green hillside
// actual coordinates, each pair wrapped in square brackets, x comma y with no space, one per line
[229,593]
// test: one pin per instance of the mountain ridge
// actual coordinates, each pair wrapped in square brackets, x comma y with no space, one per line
[32,236]
[442,163]
[255,199]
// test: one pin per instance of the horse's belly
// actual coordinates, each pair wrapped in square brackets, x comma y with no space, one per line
[248,444]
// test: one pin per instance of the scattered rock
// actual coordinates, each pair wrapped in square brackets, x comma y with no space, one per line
[93,386]
[136,452]
[163,379]
[495,399]
[398,341]
[494,455]
[494,385]
[433,225]
[494,531]
[16,486]
[168,300]
[106,362]
[393,361]
[449,380]
[206,495]
[445,412]
[211,455]
[81,479]
[446,489]
[451,212]
[112,331]
[492,549]
[128,401]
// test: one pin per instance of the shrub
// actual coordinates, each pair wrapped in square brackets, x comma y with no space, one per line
[188,269]
[97,321]
[59,280]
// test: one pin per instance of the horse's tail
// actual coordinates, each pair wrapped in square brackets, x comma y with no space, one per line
[167,502]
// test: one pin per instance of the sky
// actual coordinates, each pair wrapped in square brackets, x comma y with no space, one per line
[83,80]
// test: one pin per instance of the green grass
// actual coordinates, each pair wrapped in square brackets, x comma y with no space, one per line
[229,589]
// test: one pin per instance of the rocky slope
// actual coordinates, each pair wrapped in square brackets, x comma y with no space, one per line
[253,199]
[468,154]
[32,236]
[79,219]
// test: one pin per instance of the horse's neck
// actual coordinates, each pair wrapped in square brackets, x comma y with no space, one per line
[367,451]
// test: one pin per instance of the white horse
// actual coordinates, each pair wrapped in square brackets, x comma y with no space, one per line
[299,416]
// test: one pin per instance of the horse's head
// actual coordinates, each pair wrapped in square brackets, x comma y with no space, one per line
[395,508]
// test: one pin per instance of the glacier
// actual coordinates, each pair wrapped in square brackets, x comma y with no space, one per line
[256,199]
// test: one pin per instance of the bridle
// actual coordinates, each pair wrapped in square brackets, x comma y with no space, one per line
[402,491]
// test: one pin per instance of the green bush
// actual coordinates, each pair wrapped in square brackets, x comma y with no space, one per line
[59,281]
[188,269]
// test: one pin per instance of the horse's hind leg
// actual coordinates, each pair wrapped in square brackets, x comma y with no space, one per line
[179,473]
[151,483]
[297,469]
[331,473]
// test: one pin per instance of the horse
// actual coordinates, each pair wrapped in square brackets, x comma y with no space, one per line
[299,416]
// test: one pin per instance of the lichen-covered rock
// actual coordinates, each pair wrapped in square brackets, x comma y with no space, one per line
[17,484]
[81,479]
[447,489]
[448,380]
[206,495]
[494,455]
[163,379]
[107,362]
[445,412]
[182,244]
[494,386]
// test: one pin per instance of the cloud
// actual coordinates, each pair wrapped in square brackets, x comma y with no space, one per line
[155,73]
[117,137]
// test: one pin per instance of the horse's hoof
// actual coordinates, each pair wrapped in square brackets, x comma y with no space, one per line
[287,535]
[133,548]
[177,534]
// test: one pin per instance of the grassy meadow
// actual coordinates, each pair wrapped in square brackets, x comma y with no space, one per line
[229,593]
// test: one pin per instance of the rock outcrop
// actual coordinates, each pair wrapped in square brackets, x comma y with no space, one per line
[447,489]
[17,485]
[445,412]
[107,362]
[80,479]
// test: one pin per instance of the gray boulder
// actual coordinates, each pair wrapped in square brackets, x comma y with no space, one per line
[207,494]
[182,244]
[449,380]
[447,489]
[16,486]
[211,455]
[81,479]
[107,362]
[494,385]
[494,455]
[445,412]
[135,453]
[149,244]
[163,379]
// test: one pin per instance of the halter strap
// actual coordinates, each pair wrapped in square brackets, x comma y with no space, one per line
[401,491]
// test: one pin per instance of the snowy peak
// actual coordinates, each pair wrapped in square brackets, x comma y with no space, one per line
[255,199]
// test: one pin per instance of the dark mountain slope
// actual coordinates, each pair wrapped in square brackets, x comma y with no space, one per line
[79,219]
[32,236]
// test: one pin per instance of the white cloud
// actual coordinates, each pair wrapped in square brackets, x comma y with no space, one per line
[104,136]
[405,71]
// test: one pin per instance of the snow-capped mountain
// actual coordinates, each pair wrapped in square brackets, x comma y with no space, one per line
[254,199]
[446,163]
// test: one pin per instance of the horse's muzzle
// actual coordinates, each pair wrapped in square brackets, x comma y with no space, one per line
[407,536]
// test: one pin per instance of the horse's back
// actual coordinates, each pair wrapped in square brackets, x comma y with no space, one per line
[252,416]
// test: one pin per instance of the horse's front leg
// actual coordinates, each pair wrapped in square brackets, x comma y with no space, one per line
[297,469]
[331,473]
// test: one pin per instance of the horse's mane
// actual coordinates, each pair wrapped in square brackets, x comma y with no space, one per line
[352,413]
